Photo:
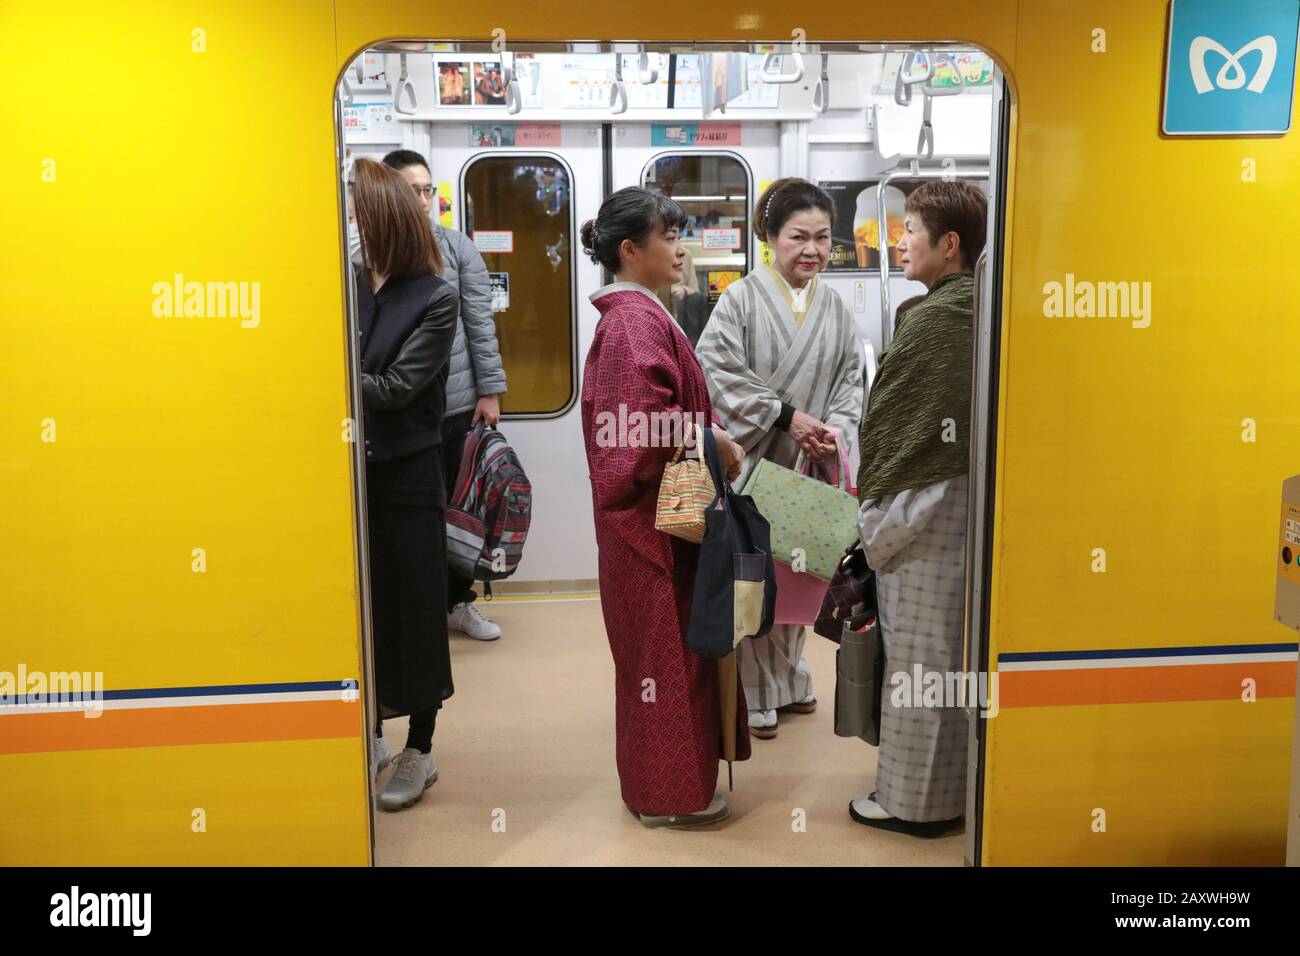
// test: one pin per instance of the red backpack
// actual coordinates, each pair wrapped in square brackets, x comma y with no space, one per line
[490,509]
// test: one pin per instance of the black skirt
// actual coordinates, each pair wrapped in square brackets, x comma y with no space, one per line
[406,502]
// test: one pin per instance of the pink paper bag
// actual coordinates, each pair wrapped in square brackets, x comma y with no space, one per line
[798,595]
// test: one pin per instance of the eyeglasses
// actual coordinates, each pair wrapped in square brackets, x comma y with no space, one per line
[425,191]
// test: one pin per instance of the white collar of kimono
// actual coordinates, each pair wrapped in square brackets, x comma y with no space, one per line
[798,297]
[628,287]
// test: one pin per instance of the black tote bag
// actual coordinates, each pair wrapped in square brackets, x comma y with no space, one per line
[735,582]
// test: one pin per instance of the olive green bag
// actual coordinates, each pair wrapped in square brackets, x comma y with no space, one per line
[806,513]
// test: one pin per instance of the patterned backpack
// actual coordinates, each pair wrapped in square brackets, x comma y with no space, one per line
[490,509]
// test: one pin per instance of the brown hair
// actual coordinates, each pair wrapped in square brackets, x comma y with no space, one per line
[783,199]
[396,238]
[956,206]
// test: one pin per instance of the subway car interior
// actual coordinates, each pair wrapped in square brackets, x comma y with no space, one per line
[522,148]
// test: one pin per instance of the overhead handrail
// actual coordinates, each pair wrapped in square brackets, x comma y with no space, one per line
[882,225]
[821,92]
[925,141]
[618,91]
[403,85]
[797,48]
[349,91]
[904,82]
[643,65]
[929,89]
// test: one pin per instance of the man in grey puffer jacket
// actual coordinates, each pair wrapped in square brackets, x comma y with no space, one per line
[475,377]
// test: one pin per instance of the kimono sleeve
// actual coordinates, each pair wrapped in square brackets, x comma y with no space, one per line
[636,417]
[889,525]
[746,406]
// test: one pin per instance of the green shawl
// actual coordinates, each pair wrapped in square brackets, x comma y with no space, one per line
[924,379]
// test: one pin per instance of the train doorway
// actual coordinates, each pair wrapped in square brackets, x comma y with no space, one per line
[522,148]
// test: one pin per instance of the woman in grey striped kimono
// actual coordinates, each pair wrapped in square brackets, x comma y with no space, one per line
[782,361]
[912,487]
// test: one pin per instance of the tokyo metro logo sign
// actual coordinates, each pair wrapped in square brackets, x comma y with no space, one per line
[1232,76]
[1230,67]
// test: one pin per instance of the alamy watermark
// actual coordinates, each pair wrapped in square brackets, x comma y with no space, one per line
[179,299]
[61,690]
[1084,299]
[935,689]
[75,908]
[638,429]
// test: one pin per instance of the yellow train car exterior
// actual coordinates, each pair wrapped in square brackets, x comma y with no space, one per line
[177,474]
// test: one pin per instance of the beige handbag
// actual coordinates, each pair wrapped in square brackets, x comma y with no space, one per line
[685,494]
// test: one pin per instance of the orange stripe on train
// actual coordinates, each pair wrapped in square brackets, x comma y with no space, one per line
[1143,685]
[179,726]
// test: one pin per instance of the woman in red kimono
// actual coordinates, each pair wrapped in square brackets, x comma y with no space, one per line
[668,721]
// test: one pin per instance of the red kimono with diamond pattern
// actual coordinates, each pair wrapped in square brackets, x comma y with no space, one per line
[667,748]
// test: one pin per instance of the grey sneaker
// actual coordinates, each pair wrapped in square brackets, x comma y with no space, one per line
[413,773]
[380,755]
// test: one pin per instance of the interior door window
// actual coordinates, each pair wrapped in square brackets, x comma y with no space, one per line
[518,211]
[714,191]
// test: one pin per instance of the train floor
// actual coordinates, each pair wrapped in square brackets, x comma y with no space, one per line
[525,753]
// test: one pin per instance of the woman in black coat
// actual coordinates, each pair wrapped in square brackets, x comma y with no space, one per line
[407,325]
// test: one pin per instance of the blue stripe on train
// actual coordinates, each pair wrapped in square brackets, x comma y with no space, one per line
[1121,653]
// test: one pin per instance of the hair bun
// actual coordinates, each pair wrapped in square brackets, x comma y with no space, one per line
[589,236]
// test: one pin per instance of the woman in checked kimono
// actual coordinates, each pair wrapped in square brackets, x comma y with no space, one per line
[912,486]
[784,368]
[667,707]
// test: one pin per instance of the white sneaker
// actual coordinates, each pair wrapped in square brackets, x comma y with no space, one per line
[413,773]
[467,619]
[380,755]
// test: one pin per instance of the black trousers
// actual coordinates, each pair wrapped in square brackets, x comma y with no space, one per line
[460,589]
[408,556]
[419,734]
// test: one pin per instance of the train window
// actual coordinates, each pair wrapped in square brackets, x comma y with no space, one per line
[518,210]
[713,188]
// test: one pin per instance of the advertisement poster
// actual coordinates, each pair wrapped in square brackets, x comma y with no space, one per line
[855,238]
[695,134]
[588,79]
[514,134]
[446,212]
[453,83]
[528,71]
[724,78]
[500,290]
[754,95]
[489,85]
[976,69]
[373,122]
